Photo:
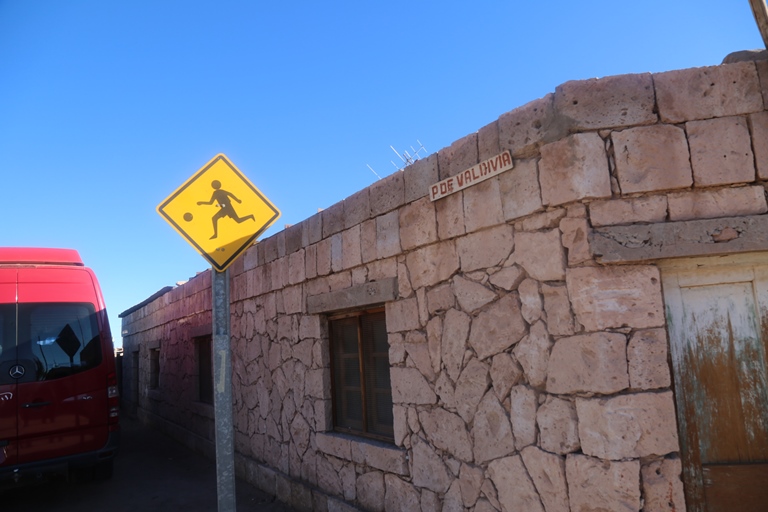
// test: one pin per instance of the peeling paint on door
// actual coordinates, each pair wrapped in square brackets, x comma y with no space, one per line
[718,325]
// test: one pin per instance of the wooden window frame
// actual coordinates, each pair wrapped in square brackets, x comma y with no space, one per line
[363,358]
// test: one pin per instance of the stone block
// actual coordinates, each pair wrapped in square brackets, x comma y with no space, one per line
[520,190]
[498,327]
[574,168]
[662,487]
[368,250]
[450,216]
[458,157]
[388,235]
[533,354]
[505,373]
[440,298]
[410,387]
[610,102]
[515,488]
[370,490]
[721,151]
[652,158]
[558,310]
[482,205]
[710,204]
[351,255]
[419,176]
[429,471]
[762,73]
[526,128]
[470,294]
[491,431]
[707,92]
[357,208]
[508,278]
[530,300]
[547,471]
[759,124]
[590,363]
[541,254]
[310,262]
[575,238]
[402,315]
[400,495]
[448,432]
[488,141]
[628,426]
[455,330]
[387,194]
[470,481]
[647,356]
[324,257]
[337,253]
[613,297]
[312,229]
[470,388]
[595,484]
[333,219]
[522,413]
[432,264]
[487,248]
[418,224]
[293,238]
[558,426]
[628,211]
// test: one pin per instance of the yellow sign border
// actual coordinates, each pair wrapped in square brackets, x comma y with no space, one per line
[219,157]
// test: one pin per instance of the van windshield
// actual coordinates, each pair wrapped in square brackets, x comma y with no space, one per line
[60,338]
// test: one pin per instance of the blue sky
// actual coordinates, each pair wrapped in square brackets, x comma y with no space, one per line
[107,106]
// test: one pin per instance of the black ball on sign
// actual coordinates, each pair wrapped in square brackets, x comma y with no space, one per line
[188,217]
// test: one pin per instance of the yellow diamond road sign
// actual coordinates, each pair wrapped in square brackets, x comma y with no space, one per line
[219,212]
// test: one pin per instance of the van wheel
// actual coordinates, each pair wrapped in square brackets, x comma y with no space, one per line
[103,470]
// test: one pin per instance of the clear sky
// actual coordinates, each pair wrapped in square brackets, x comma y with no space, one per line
[107,106]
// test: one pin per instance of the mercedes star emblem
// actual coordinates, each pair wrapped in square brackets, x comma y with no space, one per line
[17,372]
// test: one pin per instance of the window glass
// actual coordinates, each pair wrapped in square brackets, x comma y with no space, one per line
[362,392]
[7,332]
[204,370]
[61,339]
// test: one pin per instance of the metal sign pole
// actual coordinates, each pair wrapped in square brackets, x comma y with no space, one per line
[222,392]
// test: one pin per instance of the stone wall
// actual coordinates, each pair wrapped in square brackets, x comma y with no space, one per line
[528,349]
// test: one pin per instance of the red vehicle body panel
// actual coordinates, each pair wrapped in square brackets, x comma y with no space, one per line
[63,409]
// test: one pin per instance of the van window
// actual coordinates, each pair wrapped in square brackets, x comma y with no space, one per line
[7,331]
[61,338]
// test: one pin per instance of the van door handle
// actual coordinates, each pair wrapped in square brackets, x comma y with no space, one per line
[36,404]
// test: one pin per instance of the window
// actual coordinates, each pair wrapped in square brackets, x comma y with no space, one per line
[60,339]
[154,368]
[204,370]
[362,393]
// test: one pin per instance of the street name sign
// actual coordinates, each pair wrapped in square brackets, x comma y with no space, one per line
[484,170]
[219,212]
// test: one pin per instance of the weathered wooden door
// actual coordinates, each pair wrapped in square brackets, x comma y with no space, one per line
[717,315]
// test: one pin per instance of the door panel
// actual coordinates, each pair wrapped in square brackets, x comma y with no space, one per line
[8,394]
[63,410]
[717,342]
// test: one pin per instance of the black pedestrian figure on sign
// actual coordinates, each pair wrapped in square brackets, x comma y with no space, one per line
[221,198]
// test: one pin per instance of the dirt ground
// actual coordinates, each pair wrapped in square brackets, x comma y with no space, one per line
[152,472]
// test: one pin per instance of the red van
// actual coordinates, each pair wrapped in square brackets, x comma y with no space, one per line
[59,406]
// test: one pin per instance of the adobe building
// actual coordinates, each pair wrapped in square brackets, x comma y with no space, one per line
[575,322]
